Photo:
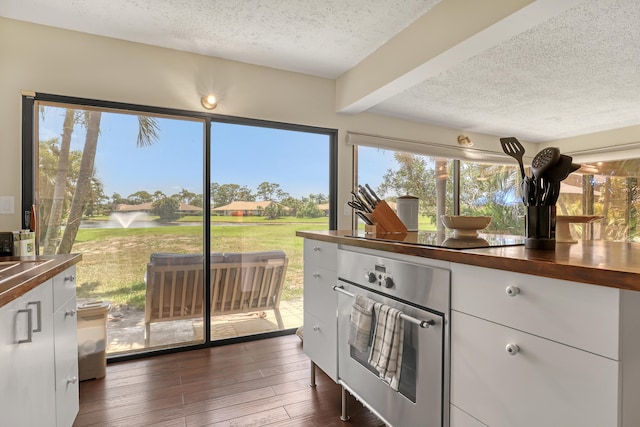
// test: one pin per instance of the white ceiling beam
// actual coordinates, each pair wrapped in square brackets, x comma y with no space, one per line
[451,32]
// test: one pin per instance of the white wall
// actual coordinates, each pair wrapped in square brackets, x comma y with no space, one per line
[49,60]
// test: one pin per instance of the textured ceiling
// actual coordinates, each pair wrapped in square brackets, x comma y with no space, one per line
[574,74]
[319,37]
[570,72]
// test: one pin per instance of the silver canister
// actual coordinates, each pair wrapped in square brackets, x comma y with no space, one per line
[407,208]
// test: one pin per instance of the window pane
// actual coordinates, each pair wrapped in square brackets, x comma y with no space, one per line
[118,188]
[265,185]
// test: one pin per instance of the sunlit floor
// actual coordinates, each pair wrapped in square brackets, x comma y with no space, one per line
[125,328]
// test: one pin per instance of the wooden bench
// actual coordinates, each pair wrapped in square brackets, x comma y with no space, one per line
[240,283]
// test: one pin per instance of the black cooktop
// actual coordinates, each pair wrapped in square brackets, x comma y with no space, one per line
[445,240]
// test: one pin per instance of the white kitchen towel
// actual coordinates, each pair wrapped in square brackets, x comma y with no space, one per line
[360,326]
[388,339]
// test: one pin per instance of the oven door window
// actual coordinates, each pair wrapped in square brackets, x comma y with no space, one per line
[409,371]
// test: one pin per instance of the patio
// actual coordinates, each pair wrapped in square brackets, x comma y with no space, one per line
[125,327]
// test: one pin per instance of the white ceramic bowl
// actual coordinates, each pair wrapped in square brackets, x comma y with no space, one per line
[465,225]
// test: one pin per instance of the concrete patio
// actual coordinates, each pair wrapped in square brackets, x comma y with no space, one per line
[125,327]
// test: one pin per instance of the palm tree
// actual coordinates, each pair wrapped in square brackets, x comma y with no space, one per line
[147,135]
[57,202]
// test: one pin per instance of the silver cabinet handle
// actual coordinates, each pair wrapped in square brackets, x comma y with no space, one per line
[29,326]
[316,328]
[316,248]
[512,291]
[70,278]
[69,313]
[316,275]
[72,380]
[38,305]
[512,349]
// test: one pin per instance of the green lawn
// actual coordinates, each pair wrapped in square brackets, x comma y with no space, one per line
[114,260]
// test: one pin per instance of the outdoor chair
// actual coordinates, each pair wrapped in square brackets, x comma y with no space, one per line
[240,283]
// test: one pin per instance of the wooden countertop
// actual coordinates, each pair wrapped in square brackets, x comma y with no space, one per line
[16,280]
[613,264]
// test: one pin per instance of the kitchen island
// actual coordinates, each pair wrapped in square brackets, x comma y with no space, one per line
[38,341]
[537,337]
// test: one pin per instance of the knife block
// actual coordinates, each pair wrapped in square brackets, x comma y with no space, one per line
[385,220]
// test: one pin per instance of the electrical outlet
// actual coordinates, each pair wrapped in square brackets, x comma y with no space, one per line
[6,205]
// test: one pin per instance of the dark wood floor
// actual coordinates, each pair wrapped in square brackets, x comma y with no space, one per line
[258,383]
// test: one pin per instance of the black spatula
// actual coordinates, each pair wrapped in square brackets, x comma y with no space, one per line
[513,148]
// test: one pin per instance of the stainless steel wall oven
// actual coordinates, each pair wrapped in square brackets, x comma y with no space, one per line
[422,294]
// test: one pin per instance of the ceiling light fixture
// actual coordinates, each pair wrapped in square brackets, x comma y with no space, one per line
[465,141]
[209,102]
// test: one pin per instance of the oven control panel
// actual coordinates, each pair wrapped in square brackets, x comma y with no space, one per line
[380,277]
[425,285]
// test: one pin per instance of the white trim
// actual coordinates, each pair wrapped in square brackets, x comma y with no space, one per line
[428,148]
[604,154]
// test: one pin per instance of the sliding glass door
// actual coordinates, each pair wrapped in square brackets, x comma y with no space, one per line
[155,218]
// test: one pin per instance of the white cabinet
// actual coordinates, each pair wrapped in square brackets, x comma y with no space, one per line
[39,356]
[66,347]
[508,378]
[27,359]
[320,305]
[528,351]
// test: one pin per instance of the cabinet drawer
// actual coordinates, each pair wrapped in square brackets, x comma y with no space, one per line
[319,297]
[577,314]
[320,344]
[321,253]
[64,287]
[542,384]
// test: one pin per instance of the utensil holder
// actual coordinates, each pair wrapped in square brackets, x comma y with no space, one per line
[385,220]
[540,227]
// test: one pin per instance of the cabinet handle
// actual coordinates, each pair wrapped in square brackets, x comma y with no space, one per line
[512,349]
[316,328]
[69,313]
[70,278]
[512,291]
[38,305]
[29,326]
[316,248]
[316,275]
[72,380]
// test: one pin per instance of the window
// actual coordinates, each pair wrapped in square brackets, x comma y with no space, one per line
[600,200]
[485,188]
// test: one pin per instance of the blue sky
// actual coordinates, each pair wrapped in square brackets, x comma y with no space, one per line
[243,155]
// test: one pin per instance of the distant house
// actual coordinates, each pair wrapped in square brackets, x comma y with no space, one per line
[324,207]
[241,208]
[148,207]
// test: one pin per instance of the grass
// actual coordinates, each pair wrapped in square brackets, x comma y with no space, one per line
[114,260]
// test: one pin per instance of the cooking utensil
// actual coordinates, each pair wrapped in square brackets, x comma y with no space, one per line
[368,199]
[357,206]
[357,199]
[373,193]
[552,177]
[542,161]
[364,218]
[555,191]
[528,191]
[514,148]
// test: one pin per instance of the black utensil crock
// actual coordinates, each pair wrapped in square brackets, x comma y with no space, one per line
[540,227]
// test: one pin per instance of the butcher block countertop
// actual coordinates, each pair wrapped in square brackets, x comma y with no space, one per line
[613,264]
[19,275]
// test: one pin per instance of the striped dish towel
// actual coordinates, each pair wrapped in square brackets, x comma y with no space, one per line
[360,326]
[388,339]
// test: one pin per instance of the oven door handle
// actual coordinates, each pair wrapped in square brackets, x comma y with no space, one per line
[406,317]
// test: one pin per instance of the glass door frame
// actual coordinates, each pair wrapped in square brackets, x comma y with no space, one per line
[29,179]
